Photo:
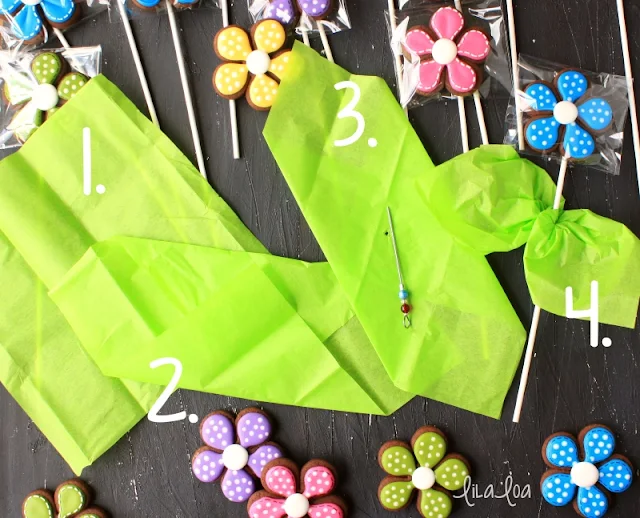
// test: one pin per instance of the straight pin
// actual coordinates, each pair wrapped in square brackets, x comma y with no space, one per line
[403,294]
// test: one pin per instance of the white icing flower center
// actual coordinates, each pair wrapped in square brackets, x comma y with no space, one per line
[444,51]
[423,478]
[258,62]
[31,2]
[45,97]
[235,457]
[565,112]
[584,474]
[296,506]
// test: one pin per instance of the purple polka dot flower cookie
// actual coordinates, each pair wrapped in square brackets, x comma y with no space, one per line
[237,449]
[585,475]
[286,12]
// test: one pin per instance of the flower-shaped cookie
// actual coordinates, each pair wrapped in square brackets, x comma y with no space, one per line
[29,18]
[252,69]
[149,5]
[567,121]
[70,500]
[448,53]
[41,98]
[243,460]
[286,13]
[600,469]
[296,494]
[434,475]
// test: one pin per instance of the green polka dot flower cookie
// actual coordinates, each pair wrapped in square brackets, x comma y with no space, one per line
[39,92]
[425,468]
[70,500]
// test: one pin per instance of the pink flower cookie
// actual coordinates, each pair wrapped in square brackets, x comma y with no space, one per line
[240,462]
[448,54]
[294,494]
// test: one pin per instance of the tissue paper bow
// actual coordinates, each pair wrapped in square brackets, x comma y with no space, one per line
[493,207]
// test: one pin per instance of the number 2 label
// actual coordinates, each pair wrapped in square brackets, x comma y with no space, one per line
[349,111]
[153,415]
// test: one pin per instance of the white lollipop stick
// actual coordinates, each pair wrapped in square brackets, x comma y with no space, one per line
[514,72]
[479,110]
[61,37]
[325,41]
[393,24]
[235,140]
[624,36]
[177,44]
[464,132]
[138,62]
[305,37]
[480,114]
[535,321]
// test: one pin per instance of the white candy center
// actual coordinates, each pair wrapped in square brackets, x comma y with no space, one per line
[584,474]
[423,478]
[444,51]
[31,2]
[45,97]
[258,62]
[565,112]
[235,457]
[296,506]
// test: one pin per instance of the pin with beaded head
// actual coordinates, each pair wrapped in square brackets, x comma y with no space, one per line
[403,294]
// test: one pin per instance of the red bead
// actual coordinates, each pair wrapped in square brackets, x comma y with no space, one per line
[405,308]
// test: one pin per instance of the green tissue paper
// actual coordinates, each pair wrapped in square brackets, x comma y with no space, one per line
[96,287]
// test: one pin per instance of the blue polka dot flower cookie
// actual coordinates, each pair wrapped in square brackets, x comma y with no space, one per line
[564,116]
[584,475]
[29,19]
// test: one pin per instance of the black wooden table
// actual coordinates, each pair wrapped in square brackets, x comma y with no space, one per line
[147,474]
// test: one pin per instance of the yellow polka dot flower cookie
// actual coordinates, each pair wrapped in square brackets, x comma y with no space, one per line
[253,64]
[425,468]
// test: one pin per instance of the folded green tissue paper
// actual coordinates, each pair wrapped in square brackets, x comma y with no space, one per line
[271,316]
[96,287]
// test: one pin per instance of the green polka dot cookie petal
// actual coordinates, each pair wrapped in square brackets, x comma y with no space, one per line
[452,473]
[38,504]
[70,85]
[434,504]
[46,67]
[396,458]
[395,494]
[429,446]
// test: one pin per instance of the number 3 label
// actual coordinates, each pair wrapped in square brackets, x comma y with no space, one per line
[349,111]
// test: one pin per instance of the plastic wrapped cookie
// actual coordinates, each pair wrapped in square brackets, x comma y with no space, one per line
[253,64]
[37,95]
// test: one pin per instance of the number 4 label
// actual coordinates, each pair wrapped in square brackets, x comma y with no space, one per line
[592,313]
